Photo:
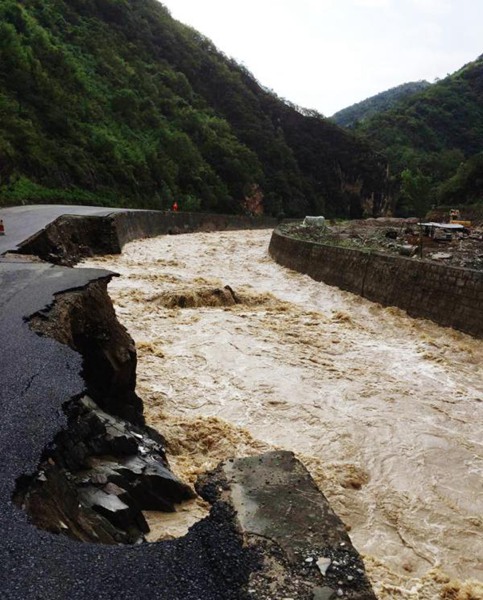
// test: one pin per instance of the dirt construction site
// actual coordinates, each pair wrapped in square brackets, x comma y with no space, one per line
[436,240]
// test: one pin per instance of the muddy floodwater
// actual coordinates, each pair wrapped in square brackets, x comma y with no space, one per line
[384,410]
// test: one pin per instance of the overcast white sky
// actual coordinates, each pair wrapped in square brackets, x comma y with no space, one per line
[329,54]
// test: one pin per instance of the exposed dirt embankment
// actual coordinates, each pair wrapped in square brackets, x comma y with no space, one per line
[70,238]
[107,467]
[85,320]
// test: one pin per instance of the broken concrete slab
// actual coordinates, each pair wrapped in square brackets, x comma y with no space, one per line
[111,469]
[280,510]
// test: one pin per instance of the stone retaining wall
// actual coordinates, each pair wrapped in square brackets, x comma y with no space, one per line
[69,238]
[131,225]
[449,296]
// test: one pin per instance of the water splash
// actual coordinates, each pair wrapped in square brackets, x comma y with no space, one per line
[384,410]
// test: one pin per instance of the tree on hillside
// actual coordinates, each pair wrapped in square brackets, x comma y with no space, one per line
[113,102]
[416,191]
[434,131]
[466,186]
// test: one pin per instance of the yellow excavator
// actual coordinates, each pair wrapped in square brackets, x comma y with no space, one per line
[455,217]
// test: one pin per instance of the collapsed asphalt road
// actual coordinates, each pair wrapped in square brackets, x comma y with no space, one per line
[222,557]
[22,222]
[38,376]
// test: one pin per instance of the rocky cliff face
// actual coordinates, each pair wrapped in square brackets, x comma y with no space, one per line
[107,466]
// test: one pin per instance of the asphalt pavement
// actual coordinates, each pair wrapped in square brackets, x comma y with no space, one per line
[37,376]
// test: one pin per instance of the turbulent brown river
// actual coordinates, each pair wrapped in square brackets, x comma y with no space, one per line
[384,410]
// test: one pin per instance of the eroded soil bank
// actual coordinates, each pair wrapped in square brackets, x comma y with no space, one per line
[383,409]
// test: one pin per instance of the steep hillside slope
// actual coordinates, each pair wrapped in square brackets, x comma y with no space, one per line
[115,102]
[438,132]
[348,117]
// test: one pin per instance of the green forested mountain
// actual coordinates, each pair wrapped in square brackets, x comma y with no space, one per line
[348,117]
[114,102]
[437,133]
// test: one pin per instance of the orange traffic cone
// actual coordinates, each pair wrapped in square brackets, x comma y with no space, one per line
[2,227]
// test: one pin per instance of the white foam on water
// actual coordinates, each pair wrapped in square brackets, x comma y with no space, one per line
[385,410]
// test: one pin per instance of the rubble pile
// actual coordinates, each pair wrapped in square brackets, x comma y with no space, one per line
[396,236]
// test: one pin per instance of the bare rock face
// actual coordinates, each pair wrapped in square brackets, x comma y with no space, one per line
[99,474]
